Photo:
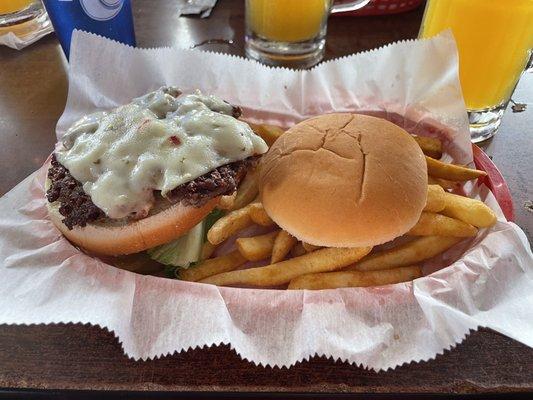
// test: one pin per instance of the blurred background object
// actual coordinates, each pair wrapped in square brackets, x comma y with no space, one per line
[199,7]
[494,39]
[13,12]
[22,22]
[290,33]
[384,7]
[109,18]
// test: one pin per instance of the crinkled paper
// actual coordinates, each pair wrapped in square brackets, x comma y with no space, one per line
[44,279]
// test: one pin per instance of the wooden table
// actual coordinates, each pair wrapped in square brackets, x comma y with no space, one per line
[33,88]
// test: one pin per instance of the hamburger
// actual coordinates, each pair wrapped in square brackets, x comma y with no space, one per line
[148,173]
[344,180]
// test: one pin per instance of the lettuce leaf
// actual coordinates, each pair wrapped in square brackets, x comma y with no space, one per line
[186,250]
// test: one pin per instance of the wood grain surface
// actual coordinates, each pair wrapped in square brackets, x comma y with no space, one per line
[83,357]
[33,88]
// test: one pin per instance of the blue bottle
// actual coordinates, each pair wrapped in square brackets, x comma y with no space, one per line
[110,18]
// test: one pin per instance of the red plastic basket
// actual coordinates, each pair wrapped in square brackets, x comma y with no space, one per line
[383,7]
[495,182]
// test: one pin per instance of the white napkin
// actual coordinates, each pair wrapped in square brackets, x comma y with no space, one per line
[19,36]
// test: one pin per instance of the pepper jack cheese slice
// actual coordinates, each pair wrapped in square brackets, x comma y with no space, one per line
[157,142]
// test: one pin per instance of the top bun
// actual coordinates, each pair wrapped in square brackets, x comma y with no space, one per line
[344,180]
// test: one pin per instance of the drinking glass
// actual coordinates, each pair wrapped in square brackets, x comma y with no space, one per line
[494,39]
[290,32]
[14,12]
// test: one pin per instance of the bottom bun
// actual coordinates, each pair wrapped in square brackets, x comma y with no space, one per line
[115,238]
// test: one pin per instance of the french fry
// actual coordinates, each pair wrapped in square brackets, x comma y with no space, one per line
[431,147]
[333,280]
[257,247]
[269,133]
[451,172]
[432,224]
[435,201]
[443,183]
[407,254]
[469,210]
[229,224]
[283,243]
[207,250]
[322,260]
[259,215]
[247,190]
[227,202]
[310,247]
[213,266]
[298,250]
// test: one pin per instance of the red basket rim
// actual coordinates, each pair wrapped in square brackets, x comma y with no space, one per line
[495,182]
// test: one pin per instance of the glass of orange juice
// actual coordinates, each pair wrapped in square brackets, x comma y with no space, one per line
[290,32]
[494,39]
[16,12]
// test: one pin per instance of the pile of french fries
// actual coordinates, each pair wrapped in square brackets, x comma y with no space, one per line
[446,220]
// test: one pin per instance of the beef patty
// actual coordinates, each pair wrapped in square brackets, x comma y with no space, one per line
[78,209]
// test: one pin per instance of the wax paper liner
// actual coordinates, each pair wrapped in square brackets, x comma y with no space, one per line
[44,279]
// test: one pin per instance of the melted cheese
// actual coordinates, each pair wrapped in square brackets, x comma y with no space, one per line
[157,142]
